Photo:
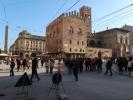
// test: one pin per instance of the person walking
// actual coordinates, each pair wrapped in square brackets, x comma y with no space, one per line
[34,68]
[125,63]
[18,64]
[42,61]
[75,68]
[130,63]
[12,66]
[51,65]
[99,64]
[47,64]
[109,67]
[70,64]
[24,63]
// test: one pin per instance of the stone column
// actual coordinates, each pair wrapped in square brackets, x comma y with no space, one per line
[6,39]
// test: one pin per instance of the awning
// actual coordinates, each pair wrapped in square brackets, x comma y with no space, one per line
[4,55]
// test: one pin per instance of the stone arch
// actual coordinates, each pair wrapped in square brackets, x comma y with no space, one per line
[92,43]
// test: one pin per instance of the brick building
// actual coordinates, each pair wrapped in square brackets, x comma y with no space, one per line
[130,29]
[68,33]
[116,39]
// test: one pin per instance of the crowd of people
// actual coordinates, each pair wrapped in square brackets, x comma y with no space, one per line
[74,65]
[27,63]
[77,65]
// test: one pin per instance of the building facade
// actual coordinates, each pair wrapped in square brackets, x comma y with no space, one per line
[71,33]
[28,44]
[116,39]
[68,33]
[130,29]
[98,52]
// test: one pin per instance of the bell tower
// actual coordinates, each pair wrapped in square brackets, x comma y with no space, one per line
[85,13]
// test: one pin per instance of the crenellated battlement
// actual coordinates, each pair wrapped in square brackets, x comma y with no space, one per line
[83,14]
[92,34]
[73,14]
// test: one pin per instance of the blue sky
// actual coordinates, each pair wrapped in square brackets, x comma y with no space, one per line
[35,15]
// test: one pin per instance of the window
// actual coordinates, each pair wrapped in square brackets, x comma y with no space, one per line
[70,41]
[121,39]
[27,43]
[36,43]
[126,40]
[70,49]
[80,50]
[82,42]
[78,42]
[71,30]
[75,50]
[40,43]
[79,31]
[92,43]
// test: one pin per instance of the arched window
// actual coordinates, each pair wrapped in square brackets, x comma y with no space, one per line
[70,41]
[79,31]
[92,43]
[78,42]
[82,42]
[70,49]
[71,30]
[87,42]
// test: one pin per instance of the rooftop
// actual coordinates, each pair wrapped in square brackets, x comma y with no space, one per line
[112,29]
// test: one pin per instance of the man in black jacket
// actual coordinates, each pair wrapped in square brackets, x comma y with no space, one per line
[99,64]
[76,66]
[109,67]
[34,68]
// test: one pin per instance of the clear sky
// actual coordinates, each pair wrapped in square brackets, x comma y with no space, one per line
[35,15]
